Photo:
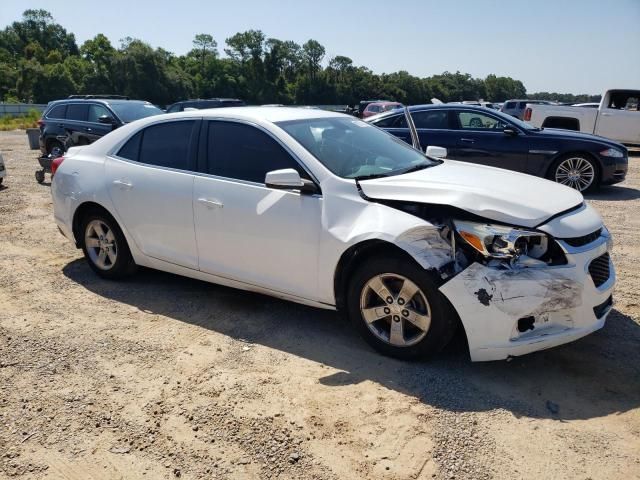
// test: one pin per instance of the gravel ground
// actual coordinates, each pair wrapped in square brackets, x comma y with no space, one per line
[166,377]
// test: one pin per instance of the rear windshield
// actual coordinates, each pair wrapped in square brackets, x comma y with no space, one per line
[130,111]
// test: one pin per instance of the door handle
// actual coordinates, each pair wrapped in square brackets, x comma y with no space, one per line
[89,129]
[605,114]
[124,185]
[209,203]
[467,140]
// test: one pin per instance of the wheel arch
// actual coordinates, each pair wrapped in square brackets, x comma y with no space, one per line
[81,211]
[586,153]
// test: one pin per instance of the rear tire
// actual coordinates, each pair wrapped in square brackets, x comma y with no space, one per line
[105,247]
[413,320]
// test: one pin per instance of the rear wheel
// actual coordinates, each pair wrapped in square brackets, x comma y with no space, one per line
[105,247]
[577,171]
[397,308]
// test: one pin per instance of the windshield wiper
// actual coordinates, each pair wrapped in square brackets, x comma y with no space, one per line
[372,175]
[415,168]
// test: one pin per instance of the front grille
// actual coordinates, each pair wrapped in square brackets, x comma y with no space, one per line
[584,240]
[601,309]
[599,269]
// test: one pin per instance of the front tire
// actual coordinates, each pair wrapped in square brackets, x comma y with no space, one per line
[396,307]
[105,247]
[578,171]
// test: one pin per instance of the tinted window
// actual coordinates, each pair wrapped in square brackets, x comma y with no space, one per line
[167,145]
[97,111]
[130,111]
[510,105]
[478,121]
[131,149]
[438,119]
[174,108]
[77,111]
[524,104]
[245,153]
[59,111]
[393,121]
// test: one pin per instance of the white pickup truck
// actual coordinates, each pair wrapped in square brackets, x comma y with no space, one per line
[617,117]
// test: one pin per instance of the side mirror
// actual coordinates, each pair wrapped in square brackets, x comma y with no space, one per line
[107,119]
[436,152]
[289,179]
[510,131]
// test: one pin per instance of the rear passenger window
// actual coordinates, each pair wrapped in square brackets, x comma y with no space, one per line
[77,112]
[131,149]
[167,145]
[243,152]
[522,104]
[509,105]
[58,111]
[438,120]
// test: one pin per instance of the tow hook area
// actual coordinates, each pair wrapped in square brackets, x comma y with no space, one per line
[526,323]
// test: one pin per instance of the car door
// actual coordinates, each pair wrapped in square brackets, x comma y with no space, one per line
[245,230]
[619,119]
[482,139]
[94,128]
[150,182]
[76,123]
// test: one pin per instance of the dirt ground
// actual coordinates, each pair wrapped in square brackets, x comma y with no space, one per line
[166,377]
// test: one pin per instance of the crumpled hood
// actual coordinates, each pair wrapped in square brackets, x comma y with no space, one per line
[493,193]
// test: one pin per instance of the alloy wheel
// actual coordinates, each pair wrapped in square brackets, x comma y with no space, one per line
[395,309]
[575,172]
[101,244]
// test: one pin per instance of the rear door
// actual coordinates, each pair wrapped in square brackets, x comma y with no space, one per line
[76,123]
[435,127]
[150,181]
[245,230]
[481,139]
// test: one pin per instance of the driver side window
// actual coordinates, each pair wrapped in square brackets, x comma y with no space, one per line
[477,121]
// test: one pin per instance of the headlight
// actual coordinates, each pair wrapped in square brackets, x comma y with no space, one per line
[612,152]
[500,242]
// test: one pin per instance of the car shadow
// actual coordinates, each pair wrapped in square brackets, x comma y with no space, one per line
[593,377]
[613,193]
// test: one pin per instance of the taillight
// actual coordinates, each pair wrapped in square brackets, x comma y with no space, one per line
[40,122]
[55,164]
[527,114]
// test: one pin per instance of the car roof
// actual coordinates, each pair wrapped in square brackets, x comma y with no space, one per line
[268,114]
[108,101]
[210,100]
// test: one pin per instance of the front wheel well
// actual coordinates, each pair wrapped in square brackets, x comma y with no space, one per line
[353,257]
[562,156]
[81,212]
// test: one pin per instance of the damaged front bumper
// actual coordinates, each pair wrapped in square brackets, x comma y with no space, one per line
[512,312]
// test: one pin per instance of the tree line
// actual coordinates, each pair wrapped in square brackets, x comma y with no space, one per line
[41,61]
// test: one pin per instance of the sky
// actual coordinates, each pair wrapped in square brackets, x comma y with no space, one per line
[568,46]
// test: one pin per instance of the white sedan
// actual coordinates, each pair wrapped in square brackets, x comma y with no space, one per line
[326,210]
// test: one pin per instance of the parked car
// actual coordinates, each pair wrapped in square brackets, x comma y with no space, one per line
[516,108]
[326,210]
[361,107]
[617,117]
[85,118]
[200,104]
[488,137]
[379,107]
[3,169]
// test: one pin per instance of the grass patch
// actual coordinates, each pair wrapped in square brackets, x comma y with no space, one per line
[25,121]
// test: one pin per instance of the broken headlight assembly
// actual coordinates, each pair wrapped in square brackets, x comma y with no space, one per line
[505,244]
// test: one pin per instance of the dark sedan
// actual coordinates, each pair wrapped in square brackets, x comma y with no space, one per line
[479,135]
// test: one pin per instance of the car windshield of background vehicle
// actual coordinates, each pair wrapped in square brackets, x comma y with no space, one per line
[354,149]
[130,111]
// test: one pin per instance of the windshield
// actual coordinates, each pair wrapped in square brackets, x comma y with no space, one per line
[351,148]
[130,111]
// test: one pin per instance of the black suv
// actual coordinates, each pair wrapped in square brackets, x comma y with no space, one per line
[82,119]
[201,104]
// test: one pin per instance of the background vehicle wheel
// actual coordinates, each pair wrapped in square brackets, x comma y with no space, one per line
[54,144]
[39,176]
[397,308]
[105,247]
[578,171]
